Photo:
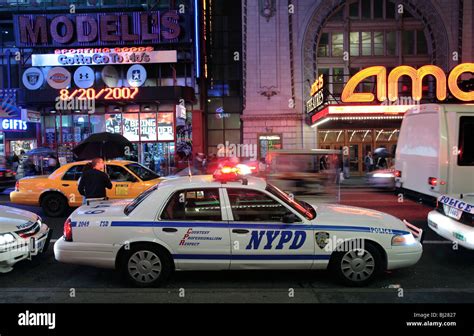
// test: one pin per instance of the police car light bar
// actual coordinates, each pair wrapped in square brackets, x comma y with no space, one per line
[232,174]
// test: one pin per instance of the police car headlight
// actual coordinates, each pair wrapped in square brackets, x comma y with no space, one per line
[6,239]
[402,240]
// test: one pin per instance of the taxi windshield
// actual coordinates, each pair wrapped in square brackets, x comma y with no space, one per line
[133,204]
[142,172]
[301,207]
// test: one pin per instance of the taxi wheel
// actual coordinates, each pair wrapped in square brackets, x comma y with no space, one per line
[358,267]
[145,265]
[54,205]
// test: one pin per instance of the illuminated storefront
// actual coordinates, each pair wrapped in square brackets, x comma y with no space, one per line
[131,73]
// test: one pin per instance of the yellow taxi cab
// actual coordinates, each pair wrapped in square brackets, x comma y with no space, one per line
[58,192]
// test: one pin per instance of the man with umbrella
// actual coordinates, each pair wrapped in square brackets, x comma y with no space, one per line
[94,181]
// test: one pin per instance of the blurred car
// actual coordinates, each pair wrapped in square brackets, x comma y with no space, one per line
[57,192]
[22,236]
[453,219]
[7,179]
[382,178]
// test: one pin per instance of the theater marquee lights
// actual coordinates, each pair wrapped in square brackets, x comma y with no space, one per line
[389,88]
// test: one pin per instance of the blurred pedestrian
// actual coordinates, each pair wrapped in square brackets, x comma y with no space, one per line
[15,162]
[369,162]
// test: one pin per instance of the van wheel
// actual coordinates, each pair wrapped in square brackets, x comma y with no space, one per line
[54,205]
[145,266]
[357,267]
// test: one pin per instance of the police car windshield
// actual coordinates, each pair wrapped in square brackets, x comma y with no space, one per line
[143,173]
[133,204]
[301,207]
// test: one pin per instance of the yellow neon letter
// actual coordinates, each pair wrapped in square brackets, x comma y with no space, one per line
[453,82]
[348,95]
[417,80]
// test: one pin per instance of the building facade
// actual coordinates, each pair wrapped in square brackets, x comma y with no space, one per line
[288,45]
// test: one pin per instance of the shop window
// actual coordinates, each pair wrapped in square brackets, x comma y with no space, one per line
[232,121]
[366,9]
[233,136]
[354,43]
[254,206]
[323,46]
[378,9]
[213,122]
[130,126]
[215,137]
[389,10]
[354,10]
[113,123]
[193,204]
[391,43]
[421,45]
[378,43]
[165,126]
[366,43]
[337,44]
[408,42]
[148,127]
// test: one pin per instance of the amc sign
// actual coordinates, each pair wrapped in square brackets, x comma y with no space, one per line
[97,29]
[388,87]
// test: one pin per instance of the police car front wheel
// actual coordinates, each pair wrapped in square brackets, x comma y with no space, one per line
[358,267]
[145,265]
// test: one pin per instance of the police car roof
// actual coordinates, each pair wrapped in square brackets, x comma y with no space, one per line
[199,181]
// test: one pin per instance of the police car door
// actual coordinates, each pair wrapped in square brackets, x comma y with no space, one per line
[259,237]
[191,225]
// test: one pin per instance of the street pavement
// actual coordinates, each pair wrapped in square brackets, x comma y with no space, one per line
[443,275]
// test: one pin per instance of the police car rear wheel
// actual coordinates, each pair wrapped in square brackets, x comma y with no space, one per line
[145,266]
[358,267]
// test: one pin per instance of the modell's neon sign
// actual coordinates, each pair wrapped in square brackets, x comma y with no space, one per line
[388,87]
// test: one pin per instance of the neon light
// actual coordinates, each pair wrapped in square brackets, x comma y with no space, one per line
[417,79]
[349,96]
[371,109]
[317,85]
[124,93]
[453,82]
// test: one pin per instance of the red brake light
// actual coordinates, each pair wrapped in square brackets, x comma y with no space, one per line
[397,173]
[1,174]
[17,186]
[433,181]
[68,230]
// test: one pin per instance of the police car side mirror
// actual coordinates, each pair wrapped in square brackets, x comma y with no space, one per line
[289,218]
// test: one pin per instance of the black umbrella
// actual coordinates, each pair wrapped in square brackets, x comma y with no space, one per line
[382,152]
[104,145]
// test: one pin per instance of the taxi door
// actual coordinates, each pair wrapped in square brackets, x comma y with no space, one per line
[123,182]
[191,224]
[262,236]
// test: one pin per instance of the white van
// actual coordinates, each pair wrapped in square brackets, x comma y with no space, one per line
[435,150]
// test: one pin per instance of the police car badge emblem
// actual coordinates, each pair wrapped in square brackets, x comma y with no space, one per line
[322,239]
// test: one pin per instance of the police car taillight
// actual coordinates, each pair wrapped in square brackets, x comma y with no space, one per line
[432,181]
[68,230]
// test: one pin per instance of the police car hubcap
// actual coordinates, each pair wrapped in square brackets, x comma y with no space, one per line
[144,266]
[357,265]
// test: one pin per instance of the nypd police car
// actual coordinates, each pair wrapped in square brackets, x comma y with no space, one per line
[453,219]
[22,236]
[225,222]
